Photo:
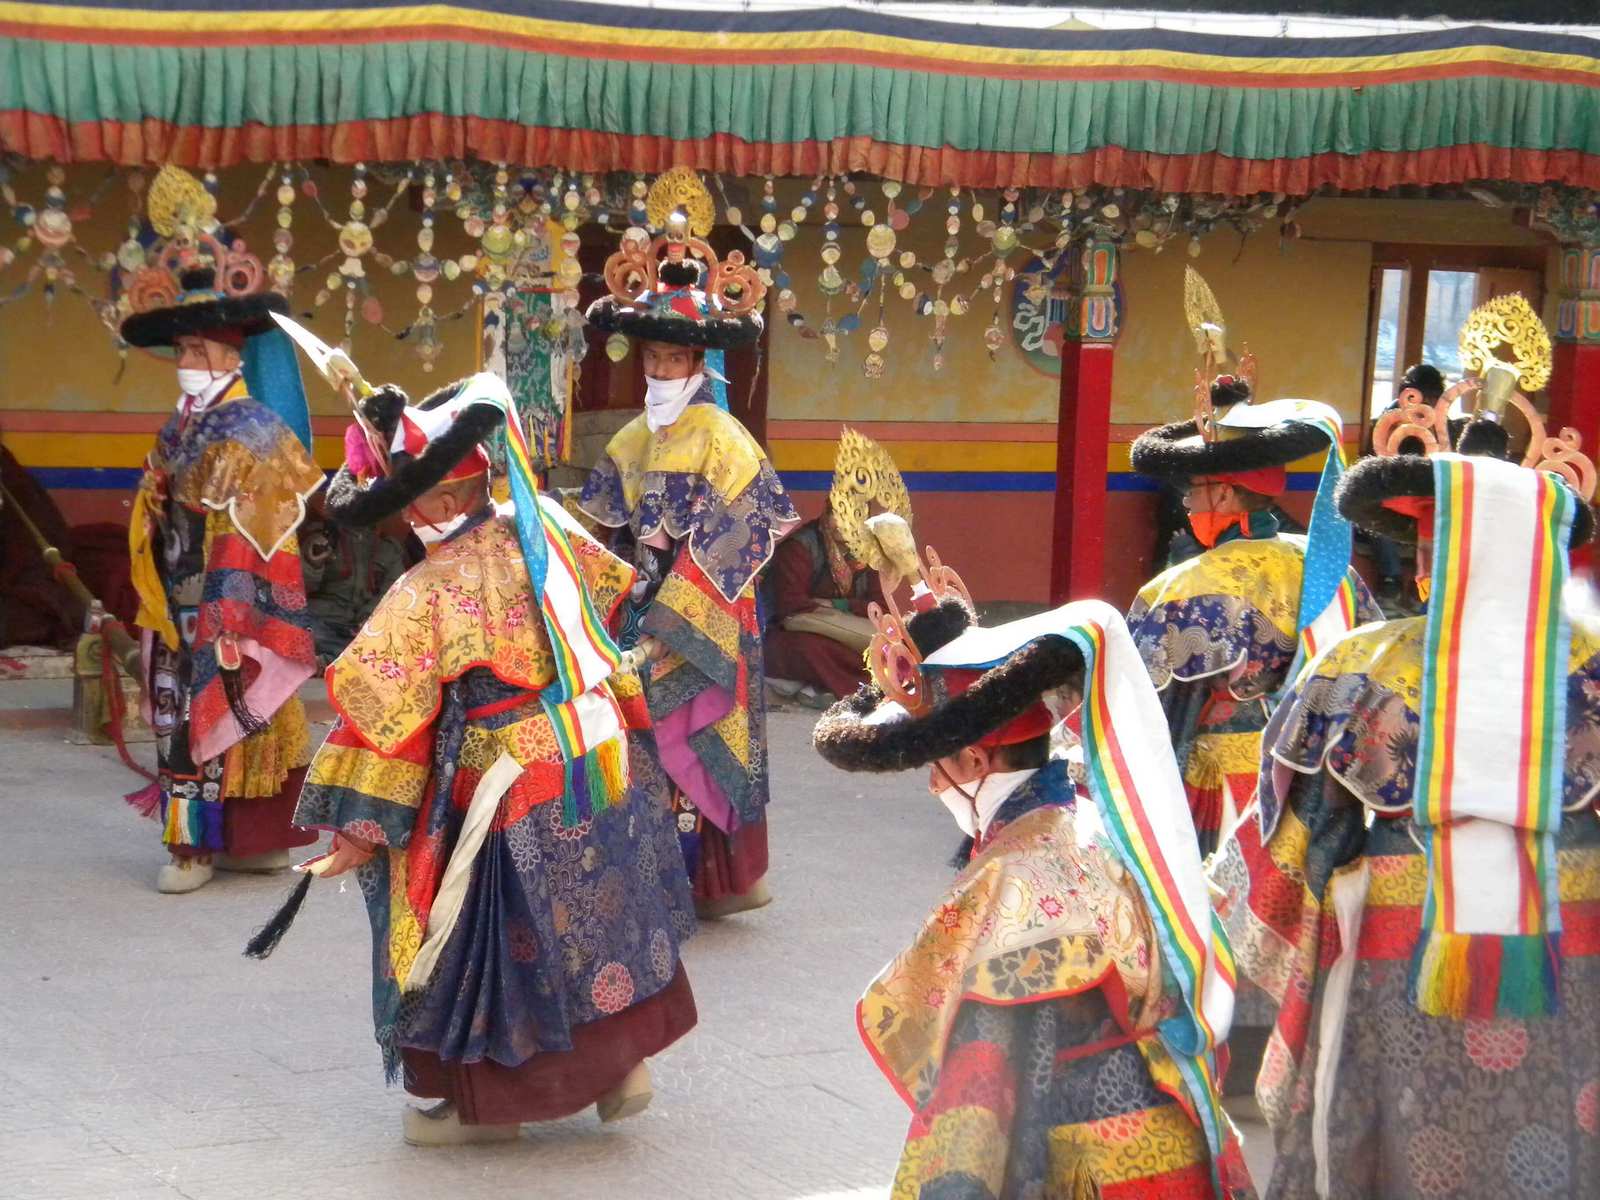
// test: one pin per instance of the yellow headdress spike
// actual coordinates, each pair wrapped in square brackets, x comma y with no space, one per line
[864,474]
[177,200]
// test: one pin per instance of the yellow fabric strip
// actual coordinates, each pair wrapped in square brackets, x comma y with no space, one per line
[360,769]
[153,612]
[259,765]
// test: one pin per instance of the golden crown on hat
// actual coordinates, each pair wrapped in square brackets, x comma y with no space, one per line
[679,205]
[863,475]
[1504,324]
[184,214]
[1204,317]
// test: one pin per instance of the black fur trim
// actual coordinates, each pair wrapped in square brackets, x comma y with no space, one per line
[382,409]
[1160,454]
[608,315]
[939,626]
[164,326]
[348,502]
[1365,487]
[1004,693]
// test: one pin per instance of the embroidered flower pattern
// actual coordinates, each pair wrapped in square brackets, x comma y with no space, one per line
[1499,1045]
[613,988]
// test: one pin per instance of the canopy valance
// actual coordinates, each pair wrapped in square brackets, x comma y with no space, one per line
[597,87]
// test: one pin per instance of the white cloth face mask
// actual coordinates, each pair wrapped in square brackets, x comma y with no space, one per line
[429,534]
[202,383]
[665,399]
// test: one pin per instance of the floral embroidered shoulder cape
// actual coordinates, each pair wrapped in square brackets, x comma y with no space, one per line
[703,478]
[1045,910]
[468,604]
[1354,712]
[1230,611]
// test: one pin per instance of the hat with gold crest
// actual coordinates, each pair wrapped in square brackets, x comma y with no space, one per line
[1506,354]
[1230,437]
[671,286]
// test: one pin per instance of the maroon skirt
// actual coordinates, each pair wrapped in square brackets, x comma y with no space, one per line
[730,864]
[557,1084]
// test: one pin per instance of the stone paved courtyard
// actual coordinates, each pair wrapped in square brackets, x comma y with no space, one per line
[143,1058]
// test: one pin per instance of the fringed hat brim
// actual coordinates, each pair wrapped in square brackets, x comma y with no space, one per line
[1365,486]
[1176,452]
[609,315]
[855,735]
[350,502]
[162,327]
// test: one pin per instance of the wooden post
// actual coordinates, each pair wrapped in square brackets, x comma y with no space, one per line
[1083,426]
[1575,383]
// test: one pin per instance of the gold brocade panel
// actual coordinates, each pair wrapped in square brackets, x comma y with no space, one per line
[1038,914]
[258,765]
[264,496]
[362,769]
[703,441]
[1266,570]
[468,604]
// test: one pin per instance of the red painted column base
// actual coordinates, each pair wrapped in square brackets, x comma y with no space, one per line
[1083,436]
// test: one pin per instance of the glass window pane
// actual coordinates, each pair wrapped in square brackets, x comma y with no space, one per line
[1450,298]
[1386,340]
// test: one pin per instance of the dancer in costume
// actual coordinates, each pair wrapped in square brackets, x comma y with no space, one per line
[512,838]
[227,637]
[1053,1026]
[1219,632]
[1421,891]
[698,509]
[825,574]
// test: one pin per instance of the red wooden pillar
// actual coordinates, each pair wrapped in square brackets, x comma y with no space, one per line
[1575,382]
[1083,429]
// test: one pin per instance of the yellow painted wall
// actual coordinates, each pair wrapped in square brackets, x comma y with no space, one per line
[805,386]
[1301,307]
[60,357]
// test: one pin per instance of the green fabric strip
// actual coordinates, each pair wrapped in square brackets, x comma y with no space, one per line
[320,85]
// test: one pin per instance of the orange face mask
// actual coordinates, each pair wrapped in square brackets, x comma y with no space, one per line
[1210,526]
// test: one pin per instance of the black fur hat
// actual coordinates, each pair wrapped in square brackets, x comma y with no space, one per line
[1365,487]
[351,502]
[159,327]
[862,734]
[1177,452]
[660,318]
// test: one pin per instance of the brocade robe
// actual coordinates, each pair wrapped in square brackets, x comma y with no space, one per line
[217,567]
[561,971]
[1020,1025]
[706,485]
[1324,899]
[1218,634]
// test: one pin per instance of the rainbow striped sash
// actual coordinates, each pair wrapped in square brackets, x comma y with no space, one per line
[1492,749]
[584,651]
[594,748]
[1134,781]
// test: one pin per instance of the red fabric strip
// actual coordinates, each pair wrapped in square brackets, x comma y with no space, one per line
[152,142]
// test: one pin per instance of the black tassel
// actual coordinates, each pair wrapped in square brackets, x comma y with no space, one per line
[963,855]
[233,689]
[266,938]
